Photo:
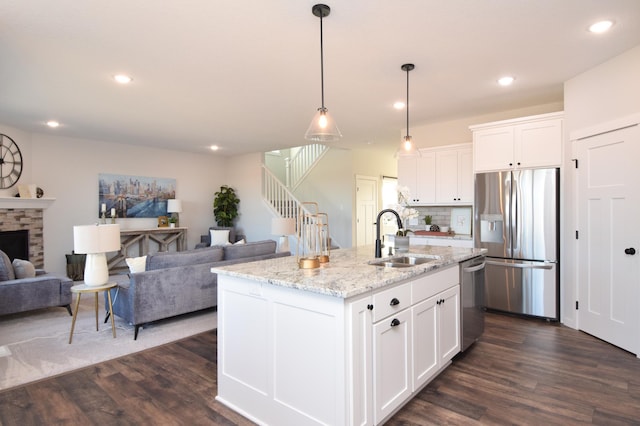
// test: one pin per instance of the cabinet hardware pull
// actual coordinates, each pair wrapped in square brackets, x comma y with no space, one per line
[394,302]
[395,322]
[630,251]
[370,307]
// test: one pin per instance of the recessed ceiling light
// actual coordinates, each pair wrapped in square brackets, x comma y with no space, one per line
[122,79]
[53,123]
[506,80]
[214,147]
[398,105]
[601,27]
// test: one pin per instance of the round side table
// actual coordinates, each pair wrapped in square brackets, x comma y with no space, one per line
[83,288]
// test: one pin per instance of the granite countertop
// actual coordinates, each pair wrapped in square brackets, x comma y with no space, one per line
[348,273]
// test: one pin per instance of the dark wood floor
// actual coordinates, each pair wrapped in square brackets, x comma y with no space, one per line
[521,372]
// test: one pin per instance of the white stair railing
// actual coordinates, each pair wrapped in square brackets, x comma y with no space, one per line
[281,201]
[302,163]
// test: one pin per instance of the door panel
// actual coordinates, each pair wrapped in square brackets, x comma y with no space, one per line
[535,214]
[366,210]
[528,288]
[608,212]
[492,213]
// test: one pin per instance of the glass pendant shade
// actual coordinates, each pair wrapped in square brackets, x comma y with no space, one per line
[407,144]
[323,128]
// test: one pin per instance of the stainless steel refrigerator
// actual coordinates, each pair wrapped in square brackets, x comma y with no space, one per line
[516,217]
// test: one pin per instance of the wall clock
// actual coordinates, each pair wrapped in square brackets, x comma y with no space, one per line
[10,162]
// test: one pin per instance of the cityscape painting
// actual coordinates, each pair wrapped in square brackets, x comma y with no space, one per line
[134,196]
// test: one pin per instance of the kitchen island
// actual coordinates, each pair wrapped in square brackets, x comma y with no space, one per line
[347,343]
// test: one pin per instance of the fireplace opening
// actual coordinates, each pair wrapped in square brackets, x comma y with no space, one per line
[15,244]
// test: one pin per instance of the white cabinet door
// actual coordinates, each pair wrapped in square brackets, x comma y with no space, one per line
[418,173]
[426,178]
[392,363]
[447,176]
[425,342]
[360,380]
[465,176]
[448,303]
[538,144]
[493,149]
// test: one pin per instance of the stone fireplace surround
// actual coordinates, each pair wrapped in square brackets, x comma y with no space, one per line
[19,214]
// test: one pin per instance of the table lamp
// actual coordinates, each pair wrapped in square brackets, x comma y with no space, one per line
[283,226]
[175,208]
[95,241]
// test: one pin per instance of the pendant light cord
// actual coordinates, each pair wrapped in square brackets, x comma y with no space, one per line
[321,62]
[408,101]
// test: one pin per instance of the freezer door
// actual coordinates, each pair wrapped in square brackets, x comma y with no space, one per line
[534,207]
[491,217]
[522,287]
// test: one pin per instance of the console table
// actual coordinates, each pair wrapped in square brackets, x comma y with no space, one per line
[140,242]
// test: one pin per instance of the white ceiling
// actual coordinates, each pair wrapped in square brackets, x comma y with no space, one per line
[245,74]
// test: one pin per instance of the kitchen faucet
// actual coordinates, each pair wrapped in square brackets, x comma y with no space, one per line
[378,242]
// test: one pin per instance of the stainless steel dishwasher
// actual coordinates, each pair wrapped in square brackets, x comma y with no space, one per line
[471,301]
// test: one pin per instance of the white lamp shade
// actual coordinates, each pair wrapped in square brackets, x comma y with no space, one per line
[96,238]
[283,226]
[174,206]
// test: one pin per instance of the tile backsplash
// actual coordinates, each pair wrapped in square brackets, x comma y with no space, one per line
[441,215]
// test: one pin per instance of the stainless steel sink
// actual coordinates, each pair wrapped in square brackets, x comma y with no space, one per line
[404,261]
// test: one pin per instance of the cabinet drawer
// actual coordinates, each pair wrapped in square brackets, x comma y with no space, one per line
[389,302]
[430,285]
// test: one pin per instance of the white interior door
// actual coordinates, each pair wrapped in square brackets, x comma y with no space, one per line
[366,208]
[609,232]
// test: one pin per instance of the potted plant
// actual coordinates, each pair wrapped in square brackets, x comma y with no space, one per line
[225,206]
[172,222]
[427,222]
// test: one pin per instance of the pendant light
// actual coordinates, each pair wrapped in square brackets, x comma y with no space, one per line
[407,142]
[322,127]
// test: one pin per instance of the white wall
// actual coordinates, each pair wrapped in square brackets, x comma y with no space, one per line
[67,169]
[603,94]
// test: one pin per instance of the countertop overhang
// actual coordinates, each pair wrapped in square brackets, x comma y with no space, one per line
[349,272]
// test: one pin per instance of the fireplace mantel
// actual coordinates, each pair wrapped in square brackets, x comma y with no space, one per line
[25,203]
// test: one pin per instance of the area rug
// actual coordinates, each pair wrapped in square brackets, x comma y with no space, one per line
[35,345]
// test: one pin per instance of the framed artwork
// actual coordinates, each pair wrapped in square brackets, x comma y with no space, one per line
[134,196]
[163,221]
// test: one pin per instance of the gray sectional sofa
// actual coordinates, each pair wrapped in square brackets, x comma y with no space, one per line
[176,283]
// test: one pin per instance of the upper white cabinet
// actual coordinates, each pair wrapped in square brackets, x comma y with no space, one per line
[442,175]
[454,175]
[418,173]
[527,142]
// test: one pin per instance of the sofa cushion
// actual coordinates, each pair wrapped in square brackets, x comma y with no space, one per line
[6,268]
[184,258]
[254,248]
[23,269]
[219,237]
[136,264]
[231,229]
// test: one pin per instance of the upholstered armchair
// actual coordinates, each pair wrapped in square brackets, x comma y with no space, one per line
[24,288]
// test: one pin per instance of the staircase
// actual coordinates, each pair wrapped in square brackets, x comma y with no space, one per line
[302,163]
[280,200]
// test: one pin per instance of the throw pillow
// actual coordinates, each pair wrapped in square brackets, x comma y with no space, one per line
[6,269]
[219,237]
[23,268]
[239,242]
[136,264]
